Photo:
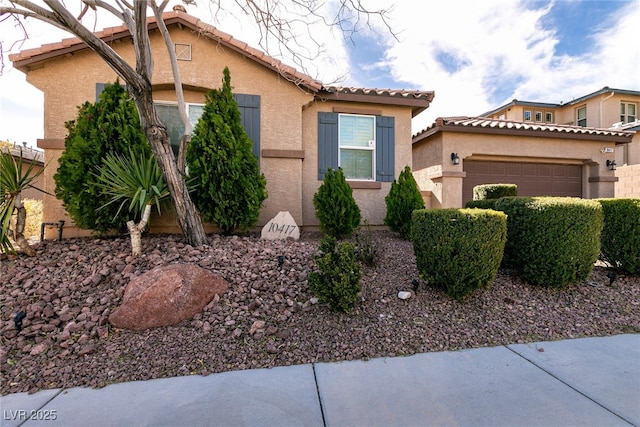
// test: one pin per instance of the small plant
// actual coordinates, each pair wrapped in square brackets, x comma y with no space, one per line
[13,180]
[337,279]
[136,182]
[367,251]
[404,197]
[336,209]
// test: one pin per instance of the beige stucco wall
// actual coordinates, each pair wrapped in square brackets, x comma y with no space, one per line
[435,172]
[370,201]
[288,118]
[280,109]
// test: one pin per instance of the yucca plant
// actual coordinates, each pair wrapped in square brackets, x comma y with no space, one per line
[135,182]
[13,180]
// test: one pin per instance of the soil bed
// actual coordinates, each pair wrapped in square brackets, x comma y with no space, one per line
[68,290]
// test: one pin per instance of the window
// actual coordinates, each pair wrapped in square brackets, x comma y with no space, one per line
[170,117]
[628,112]
[249,106]
[581,116]
[527,115]
[357,145]
[362,145]
[548,117]
[538,116]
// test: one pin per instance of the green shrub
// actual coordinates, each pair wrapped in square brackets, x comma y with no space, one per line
[336,209]
[230,187]
[481,204]
[111,125]
[458,250]
[367,251]
[553,241]
[494,191]
[620,238]
[404,197]
[337,279]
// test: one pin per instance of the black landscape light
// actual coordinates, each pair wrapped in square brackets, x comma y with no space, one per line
[612,277]
[415,285]
[18,320]
[280,260]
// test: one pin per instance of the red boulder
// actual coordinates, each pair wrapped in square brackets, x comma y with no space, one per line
[166,296]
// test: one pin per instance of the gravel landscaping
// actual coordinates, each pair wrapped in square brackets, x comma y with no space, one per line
[268,317]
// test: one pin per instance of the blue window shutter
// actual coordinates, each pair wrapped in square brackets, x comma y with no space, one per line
[99,88]
[385,148]
[327,143]
[249,106]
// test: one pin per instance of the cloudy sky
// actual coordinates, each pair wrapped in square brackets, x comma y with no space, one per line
[474,55]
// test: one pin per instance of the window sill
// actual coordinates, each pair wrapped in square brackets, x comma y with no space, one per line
[365,185]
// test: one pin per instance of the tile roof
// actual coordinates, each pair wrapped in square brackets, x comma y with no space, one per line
[496,126]
[418,100]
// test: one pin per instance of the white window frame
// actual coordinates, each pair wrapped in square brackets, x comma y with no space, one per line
[527,116]
[371,147]
[548,117]
[625,117]
[187,106]
[578,119]
[538,117]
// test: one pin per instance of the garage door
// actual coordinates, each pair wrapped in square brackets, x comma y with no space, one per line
[532,179]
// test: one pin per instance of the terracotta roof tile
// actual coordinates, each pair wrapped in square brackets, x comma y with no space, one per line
[481,124]
[418,100]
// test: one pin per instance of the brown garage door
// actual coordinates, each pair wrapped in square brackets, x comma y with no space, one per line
[532,179]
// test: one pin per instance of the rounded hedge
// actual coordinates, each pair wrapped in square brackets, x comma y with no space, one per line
[458,250]
[494,191]
[620,238]
[553,241]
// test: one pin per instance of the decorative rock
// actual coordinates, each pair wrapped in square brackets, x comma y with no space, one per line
[404,295]
[256,326]
[38,349]
[166,296]
[281,227]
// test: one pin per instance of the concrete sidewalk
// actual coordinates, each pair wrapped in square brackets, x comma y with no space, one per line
[581,382]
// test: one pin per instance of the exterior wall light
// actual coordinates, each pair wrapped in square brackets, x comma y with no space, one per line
[611,164]
[455,159]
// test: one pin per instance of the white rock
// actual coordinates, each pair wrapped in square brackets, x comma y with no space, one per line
[281,227]
[404,295]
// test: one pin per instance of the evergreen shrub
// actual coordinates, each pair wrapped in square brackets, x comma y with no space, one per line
[494,191]
[458,250]
[552,241]
[404,197]
[336,280]
[336,209]
[111,125]
[226,173]
[620,238]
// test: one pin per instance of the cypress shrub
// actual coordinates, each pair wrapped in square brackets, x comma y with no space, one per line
[494,191]
[109,126]
[552,241]
[230,187]
[336,209]
[620,238]
[337,279]
[458,250]
[404,197]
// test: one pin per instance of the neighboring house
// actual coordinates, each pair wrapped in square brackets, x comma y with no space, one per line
[30,157]
[607,108]
[299,127]
[546,149]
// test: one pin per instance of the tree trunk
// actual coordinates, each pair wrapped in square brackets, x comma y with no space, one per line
[188,216]
[21,220]
[135,230]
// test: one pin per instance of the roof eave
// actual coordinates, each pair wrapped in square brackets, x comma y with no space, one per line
[417,104]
